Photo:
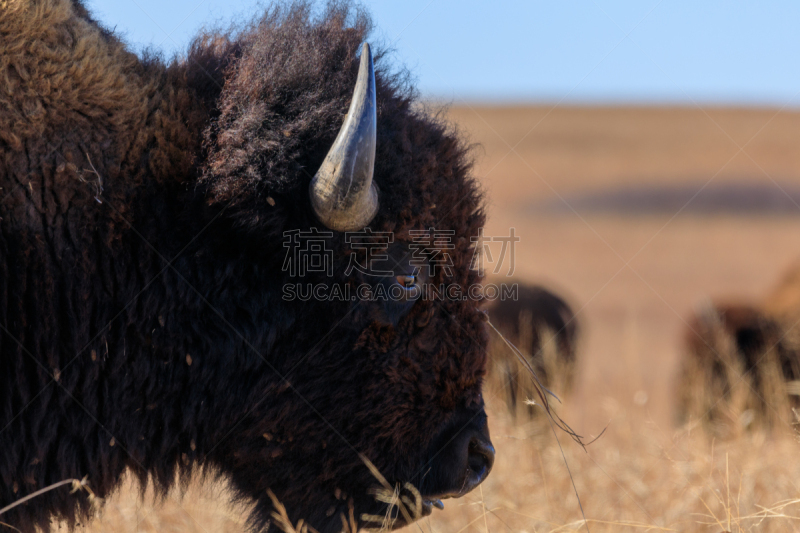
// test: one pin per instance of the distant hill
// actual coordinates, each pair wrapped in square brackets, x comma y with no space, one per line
[624,157]
[743,198]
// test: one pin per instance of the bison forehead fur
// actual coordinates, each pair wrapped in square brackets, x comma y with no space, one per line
[143,208]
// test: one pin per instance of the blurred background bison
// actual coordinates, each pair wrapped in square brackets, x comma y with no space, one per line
[542,326]
[742,362]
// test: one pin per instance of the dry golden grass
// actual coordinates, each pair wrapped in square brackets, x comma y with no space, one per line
[634,281]
[202,508]
[637,477]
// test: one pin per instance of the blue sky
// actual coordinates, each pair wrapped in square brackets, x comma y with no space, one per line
[595,51]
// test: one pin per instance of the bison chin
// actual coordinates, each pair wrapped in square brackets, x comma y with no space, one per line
[458,460]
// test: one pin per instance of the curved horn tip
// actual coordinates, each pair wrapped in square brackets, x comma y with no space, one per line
[342,192]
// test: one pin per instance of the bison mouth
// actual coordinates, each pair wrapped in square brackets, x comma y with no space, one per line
[403,511]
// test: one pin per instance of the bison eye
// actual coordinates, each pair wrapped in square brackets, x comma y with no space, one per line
[407,281]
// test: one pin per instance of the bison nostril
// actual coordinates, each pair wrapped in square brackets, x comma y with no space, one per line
[481,458]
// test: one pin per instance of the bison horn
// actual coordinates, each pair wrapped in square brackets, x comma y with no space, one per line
[343,194]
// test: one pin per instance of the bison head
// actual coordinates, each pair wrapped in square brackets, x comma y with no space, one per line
[341,376]
[313,150]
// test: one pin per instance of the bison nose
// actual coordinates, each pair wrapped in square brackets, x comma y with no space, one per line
[461,457]
[480,458]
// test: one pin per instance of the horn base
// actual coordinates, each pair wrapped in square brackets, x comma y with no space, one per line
[338,217]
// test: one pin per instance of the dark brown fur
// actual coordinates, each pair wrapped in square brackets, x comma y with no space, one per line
[143,207]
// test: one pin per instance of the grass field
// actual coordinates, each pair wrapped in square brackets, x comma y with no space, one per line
[562,178]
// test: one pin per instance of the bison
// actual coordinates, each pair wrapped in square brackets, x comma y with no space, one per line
[542,325]
[742,361]
[149,212]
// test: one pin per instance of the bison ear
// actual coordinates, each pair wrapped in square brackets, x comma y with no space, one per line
[343,195]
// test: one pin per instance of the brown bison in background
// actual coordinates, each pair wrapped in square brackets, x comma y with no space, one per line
[144,319]
[543,327]
[741,364]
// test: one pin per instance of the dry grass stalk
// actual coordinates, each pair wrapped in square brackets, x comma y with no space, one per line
[282,520]
[538,388]
[75,484]
[542,350]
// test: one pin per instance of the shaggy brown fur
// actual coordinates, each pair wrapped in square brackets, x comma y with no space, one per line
[544,328]
[142,208]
